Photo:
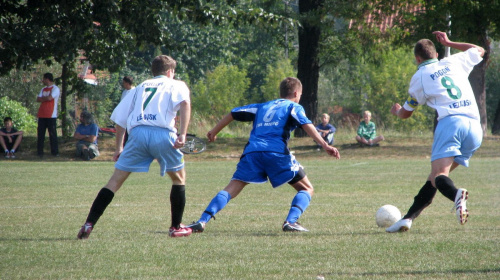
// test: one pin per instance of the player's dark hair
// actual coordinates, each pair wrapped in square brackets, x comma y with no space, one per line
[128,79]
[48,76]
[7,119]
[425,49]
[288,86]
[161,64]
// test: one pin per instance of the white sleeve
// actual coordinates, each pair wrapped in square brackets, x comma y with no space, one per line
[416,93]
[181,94]
[55,92]
[122,111]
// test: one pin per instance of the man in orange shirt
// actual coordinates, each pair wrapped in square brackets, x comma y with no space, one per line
[47,114]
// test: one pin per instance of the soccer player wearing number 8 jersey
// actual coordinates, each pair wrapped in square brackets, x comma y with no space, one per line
[266,155]
[444,86]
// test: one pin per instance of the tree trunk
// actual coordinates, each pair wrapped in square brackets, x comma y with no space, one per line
[308,60]
[64,93]
[477,79]
[495,128]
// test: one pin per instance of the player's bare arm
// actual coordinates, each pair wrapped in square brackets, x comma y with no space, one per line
[212,134]
[400,112]
[120,134]
[184,118]
[313,133]
[442,38]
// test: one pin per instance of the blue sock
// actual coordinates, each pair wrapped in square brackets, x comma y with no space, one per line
[218,202]
[299,205]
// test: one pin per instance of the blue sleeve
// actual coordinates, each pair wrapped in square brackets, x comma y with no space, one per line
[299,115]
[332,128]
[94,129]
[245,113]
[78,129]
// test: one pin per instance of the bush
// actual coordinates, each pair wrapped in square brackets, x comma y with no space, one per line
[221,90]
[20,117]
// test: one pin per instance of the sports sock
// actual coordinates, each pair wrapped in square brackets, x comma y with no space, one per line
[446,186]
[102,201]
[218,202]
[299,204]
[177,203]
[421,201]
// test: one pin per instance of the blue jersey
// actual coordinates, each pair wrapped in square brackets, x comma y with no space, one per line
[91,129]
[273,122]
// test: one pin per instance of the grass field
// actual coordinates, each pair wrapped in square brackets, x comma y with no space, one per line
[44,203]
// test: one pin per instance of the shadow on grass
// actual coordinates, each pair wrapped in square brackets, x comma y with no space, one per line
[414,273]
[25,239]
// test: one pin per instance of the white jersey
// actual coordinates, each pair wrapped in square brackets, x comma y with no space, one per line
[125,92]
[444,85]
[155,102]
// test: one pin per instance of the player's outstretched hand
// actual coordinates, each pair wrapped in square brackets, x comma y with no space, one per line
[332,151]
[442,37]
[395,109]
[212,136]
[180,141]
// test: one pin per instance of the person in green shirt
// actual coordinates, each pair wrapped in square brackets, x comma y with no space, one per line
[367,131]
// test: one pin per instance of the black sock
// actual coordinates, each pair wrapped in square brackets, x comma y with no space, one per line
[421,201]
[445,185]
[177,203]
[102,201]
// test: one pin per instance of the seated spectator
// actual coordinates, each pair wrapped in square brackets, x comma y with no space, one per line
[86,134]
[325,129]
[367,131]
[11,138]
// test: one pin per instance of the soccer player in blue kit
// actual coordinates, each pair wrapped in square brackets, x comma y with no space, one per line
[444,86]
[266,154]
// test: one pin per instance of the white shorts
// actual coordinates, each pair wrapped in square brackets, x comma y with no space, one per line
[457,136]
[147,143]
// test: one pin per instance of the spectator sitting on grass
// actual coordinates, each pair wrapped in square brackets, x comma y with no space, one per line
[11,138]
[367,131]
[325,129]
[86,134]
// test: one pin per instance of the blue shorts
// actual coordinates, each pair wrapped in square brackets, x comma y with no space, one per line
[256,167]
[457,136]
[147,143]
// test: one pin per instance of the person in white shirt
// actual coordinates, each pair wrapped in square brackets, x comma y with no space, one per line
[47,115]
[148,113]
[444,86]
[128,85]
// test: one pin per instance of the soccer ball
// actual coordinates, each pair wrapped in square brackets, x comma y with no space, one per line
[387,215]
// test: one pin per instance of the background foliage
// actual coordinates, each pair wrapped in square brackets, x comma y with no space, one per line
[21,118]
[223,52]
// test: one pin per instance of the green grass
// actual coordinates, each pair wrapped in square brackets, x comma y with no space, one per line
[44,203]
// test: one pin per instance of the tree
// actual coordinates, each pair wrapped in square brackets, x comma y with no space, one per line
[107,31]
[471,21]
[308,59]
[220,91]
[324,37]
[275,74]
[56,30]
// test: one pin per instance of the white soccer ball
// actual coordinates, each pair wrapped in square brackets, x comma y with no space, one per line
[387,215]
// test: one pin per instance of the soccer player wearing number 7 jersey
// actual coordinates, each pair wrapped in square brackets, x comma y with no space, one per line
[148,113]
[444,86]
[266,155]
